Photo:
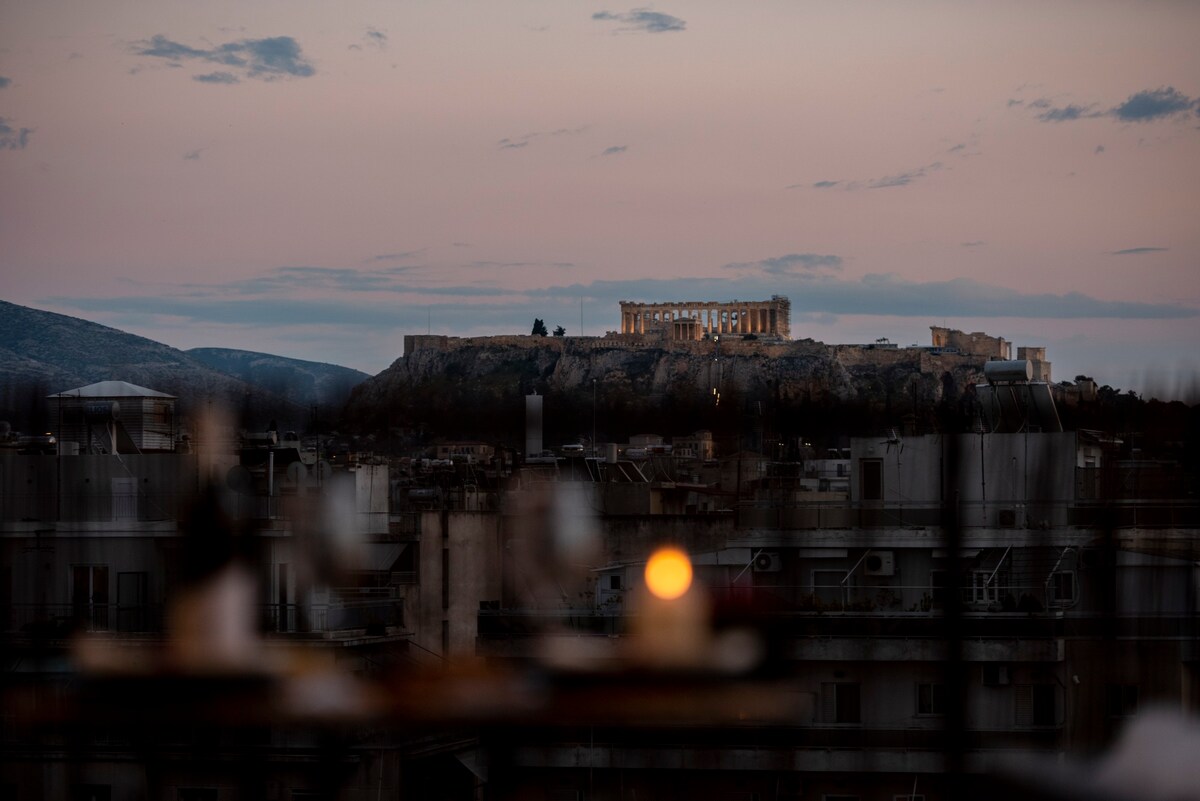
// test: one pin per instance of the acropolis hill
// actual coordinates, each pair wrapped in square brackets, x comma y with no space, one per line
[665,360]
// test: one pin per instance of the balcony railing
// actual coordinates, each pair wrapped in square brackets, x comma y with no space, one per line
[56,621]
[998,514]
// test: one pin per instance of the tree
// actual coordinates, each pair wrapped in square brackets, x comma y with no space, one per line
[560,331]
[539,327]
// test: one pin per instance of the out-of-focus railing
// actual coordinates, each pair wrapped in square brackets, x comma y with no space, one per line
[998,514]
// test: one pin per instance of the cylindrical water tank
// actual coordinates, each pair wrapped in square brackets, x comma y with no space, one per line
[101,411]
[1006,371]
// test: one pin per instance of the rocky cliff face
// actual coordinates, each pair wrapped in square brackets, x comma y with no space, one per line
[490,372]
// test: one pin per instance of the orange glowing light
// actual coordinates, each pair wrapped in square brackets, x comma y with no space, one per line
[668,573]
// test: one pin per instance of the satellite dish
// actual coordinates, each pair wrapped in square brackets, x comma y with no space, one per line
[324,470]
[297,474]
[239,480]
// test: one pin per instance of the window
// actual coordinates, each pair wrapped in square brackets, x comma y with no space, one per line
[124,498]
[131,601]
[1035,705]
[930,699]
[614,582]
[871,479]
[840,702]
[984,588]
[1122,700]
[89,596]
[829,585]
[91,792]
[937,588]
[1062,588]
[199,794]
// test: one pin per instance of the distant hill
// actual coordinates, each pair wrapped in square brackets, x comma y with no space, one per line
[42,352]
[304,382]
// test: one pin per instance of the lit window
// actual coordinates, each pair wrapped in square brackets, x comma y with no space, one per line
[930,699]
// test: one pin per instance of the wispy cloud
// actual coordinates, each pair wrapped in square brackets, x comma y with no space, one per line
[400,255]
[903,178]
[1067,113]
[193,155]
[376,38]
[13,138]
[516,142]
[881,295]
[973,244]
[1137,251]
[1099,149]
[896,179]
[264,59]
[556,264]
[790,264]
[614,150]
[349,300]
[641,20]
[5,82]
[216,77]
[1148,105]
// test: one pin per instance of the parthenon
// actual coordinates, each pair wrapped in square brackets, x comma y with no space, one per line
[692,320]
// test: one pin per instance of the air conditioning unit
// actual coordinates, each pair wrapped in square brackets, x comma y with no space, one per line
[767,563]
[995,675]
[1006,518]
[879,563]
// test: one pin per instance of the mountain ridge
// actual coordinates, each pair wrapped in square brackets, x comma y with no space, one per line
[44,352]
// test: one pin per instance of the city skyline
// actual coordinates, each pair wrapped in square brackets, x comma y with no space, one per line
[317,181]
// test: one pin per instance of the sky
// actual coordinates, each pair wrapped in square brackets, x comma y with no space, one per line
[318,180]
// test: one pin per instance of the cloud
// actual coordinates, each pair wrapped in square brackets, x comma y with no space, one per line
[555,264]
[642,20]
[1137,251]
[903,178]
[376,38]
[13,138]
[614,150]
[789,264]
[385,299]
[880,295]
[5,82]
[973,244]
[1147,105]
[1099,149]
[193,155]
[397,256]
[897,179]
[1066,113]
[216,77]
[513,143]
[1154,104]
[264,59]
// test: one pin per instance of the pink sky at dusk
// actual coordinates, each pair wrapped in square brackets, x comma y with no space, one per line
[316,180]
